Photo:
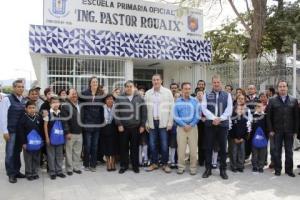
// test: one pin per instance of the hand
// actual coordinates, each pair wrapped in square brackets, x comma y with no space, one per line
[142,130]
[47,141]
[24,146]
[272,133]
[187,128]
[69,136]
[236,141]
[6,137]
[45,113]
[121,129]
[148,129]
[169,128]
[203,119]
[216,121]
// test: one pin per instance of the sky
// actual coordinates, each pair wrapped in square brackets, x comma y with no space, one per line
[16,16]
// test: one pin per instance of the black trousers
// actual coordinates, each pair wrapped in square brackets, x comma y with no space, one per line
[288,140]
[129,140]
[215,134]
[201,136]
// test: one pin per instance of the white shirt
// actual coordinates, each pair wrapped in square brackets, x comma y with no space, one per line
[212,116]
[4,106]
[130,97]
[108,114]
[156,104]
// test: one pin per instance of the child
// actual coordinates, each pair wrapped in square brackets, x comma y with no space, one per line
[239,132]
[30,137]
[55,139]
[259,138]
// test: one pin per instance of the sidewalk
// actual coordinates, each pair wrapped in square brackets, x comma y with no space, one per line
[152,186]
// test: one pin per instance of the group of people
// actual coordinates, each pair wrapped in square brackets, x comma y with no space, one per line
[160,128]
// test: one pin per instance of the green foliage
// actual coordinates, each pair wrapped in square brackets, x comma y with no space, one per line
[7,89]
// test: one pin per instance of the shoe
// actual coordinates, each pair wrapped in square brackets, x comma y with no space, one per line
[166,169]
[87,169]
[179,171]
[61,175]
[290,174]
[152,167]
[193,173]
[298,166]
[254,169]
[214,166]
[36,176]
[261,170]
[20,175]
[12,179]
[223,174]
[52,177]
[77,171]
[240,170]
[277,173]
[122,170]
[207,173]
[234,170]
[136,170]
[173,166]
[93,169]
[69,173]
[30,178]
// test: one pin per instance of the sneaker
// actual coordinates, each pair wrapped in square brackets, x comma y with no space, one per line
[166,169]
[93,169]
[180,171]
[152,167]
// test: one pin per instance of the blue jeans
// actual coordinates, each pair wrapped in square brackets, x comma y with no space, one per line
[162,135]
[12,156]
[90,147]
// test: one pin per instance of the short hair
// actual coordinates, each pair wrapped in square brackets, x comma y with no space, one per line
[30,103]
[185,83]
[68,91]
[128,82]
[46,91]
[271,89]
[108,96]
[216,76]
[61,91]
[174,84]
[32,90]
[282,81]
[257,102]
[14,84]
[201,81]
[231,88]
[54,98]
[261,94]
[157,75]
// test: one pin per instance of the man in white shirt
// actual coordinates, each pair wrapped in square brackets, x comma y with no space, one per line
[160,103]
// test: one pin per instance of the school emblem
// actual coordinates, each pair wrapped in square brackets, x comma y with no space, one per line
[59,8]
[193,23]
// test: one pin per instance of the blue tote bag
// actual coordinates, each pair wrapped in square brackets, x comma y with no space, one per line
[57,136]
[34,141]
[259,139]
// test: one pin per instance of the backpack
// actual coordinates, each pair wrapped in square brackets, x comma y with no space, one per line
[57,136]
[34,141]
[259,139]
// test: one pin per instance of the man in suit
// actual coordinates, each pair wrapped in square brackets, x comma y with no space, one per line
[282,121]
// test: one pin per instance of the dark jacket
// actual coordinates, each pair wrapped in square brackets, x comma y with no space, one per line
[283,117]
[26,125]
[15,112]
[259,120]
[251,103]
[73,117]
[239,129]
[91,111]
[130,114]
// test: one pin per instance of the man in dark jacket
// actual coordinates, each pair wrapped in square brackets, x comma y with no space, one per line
[131,115]
[71,111]
[282,122]
[12,109]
